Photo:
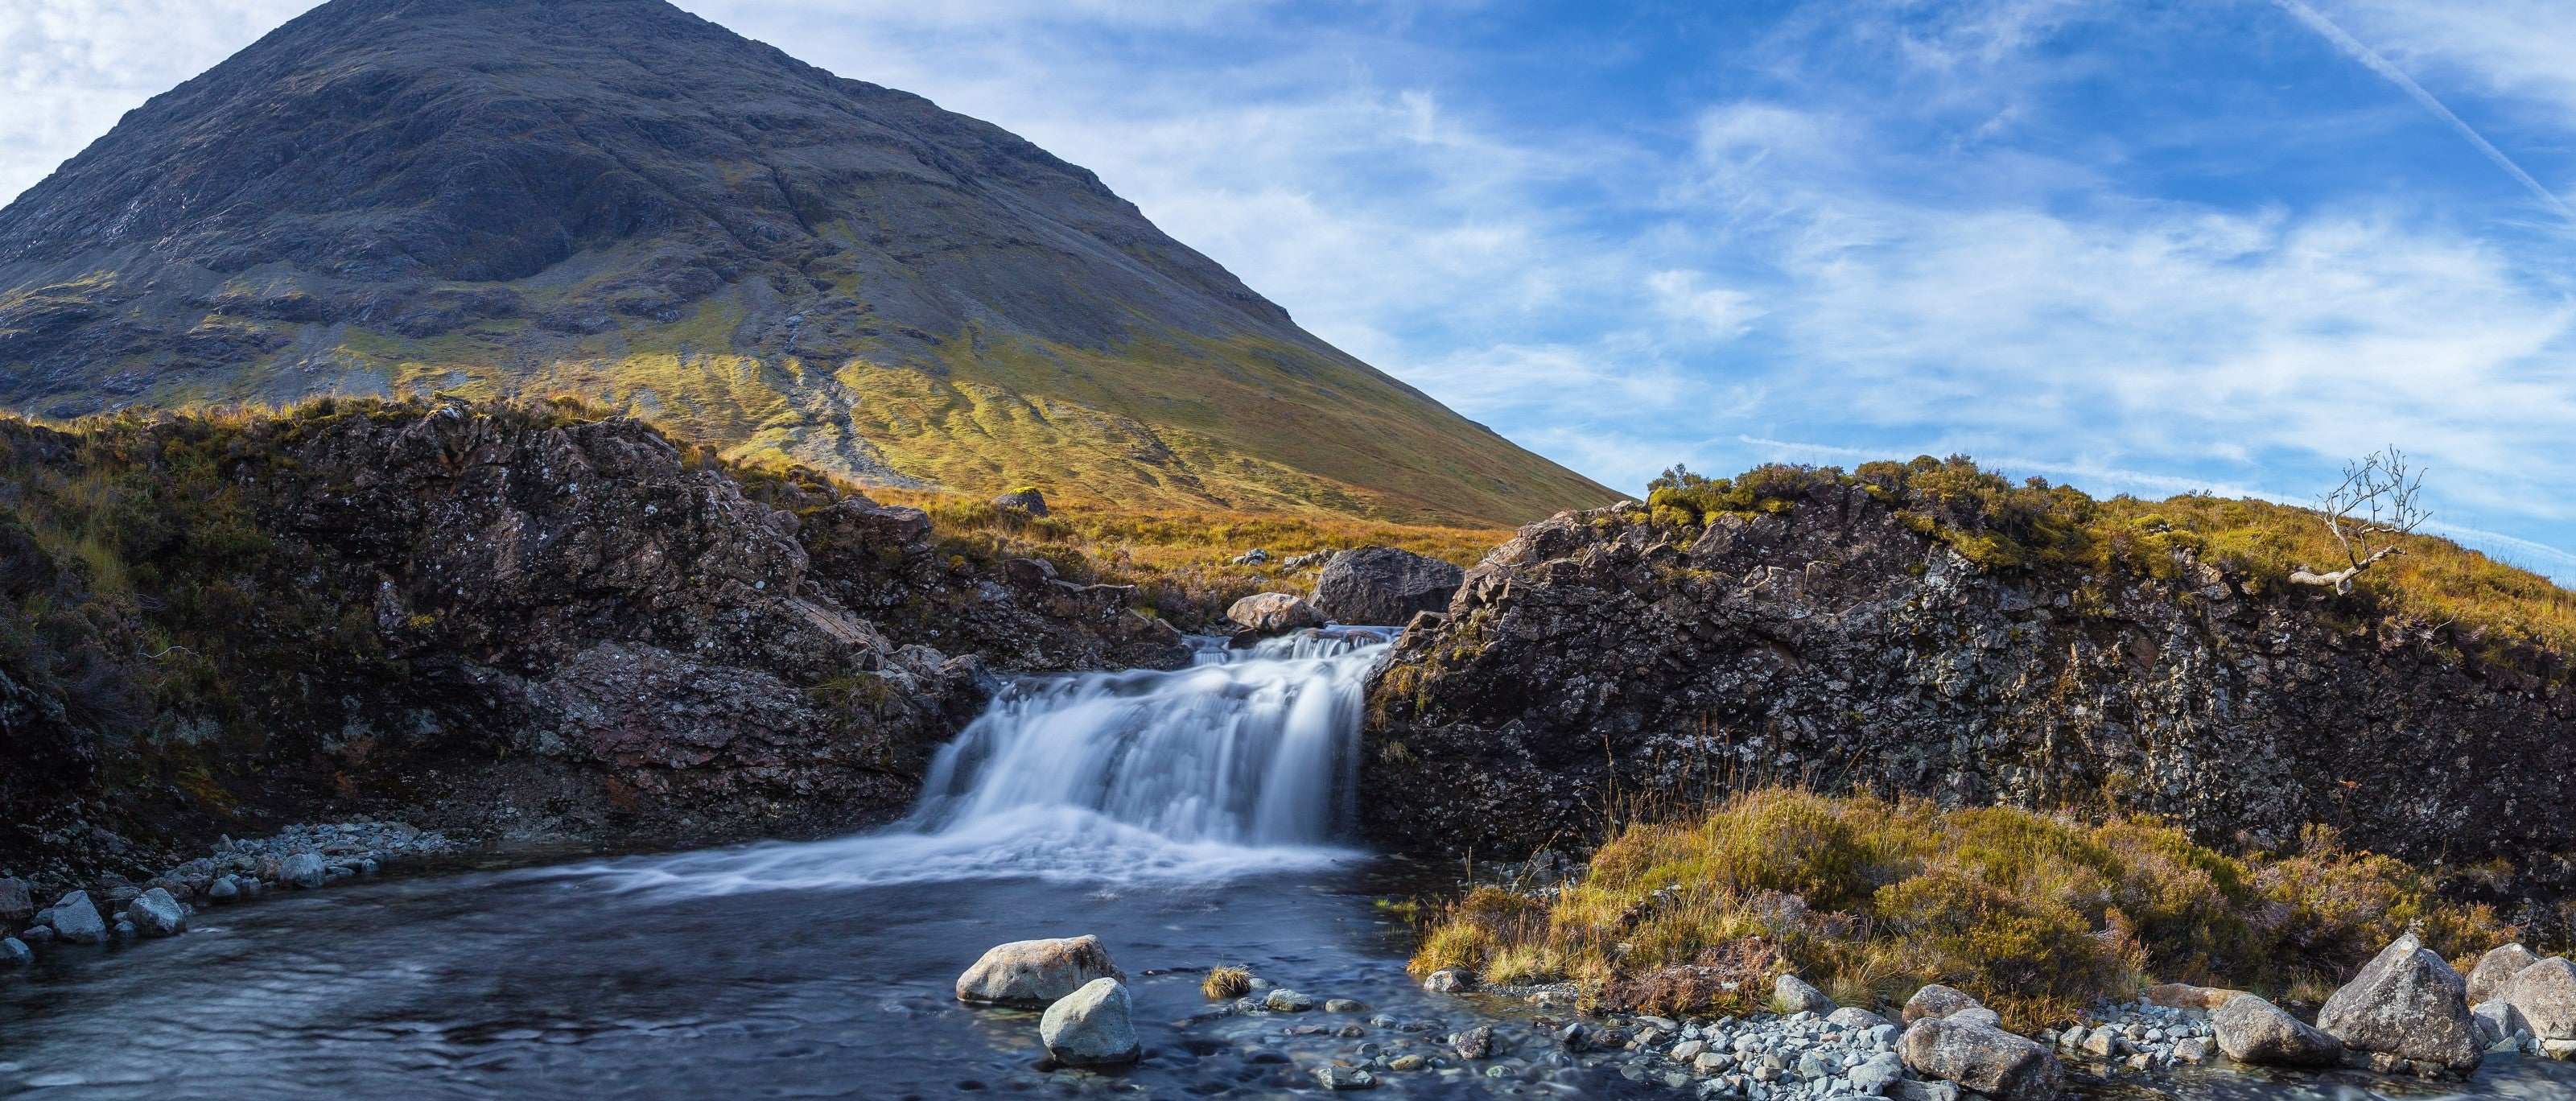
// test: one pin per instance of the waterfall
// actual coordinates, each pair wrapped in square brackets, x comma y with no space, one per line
[1241,762]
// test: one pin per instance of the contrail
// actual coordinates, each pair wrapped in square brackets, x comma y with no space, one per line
[2317,21]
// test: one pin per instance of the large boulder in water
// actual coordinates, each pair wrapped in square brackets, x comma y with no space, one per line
[1091,1026]
[1035,973]
[1983,1058]
[1383,586]
[2409,1004]
[2252,1030]
[1273,614]
[155,913]
[2497,966]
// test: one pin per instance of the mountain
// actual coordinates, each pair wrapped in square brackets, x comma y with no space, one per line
[618,199]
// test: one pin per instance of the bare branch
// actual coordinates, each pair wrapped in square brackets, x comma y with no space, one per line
[2366,513]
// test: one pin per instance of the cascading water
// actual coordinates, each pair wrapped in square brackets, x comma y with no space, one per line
[1241,762]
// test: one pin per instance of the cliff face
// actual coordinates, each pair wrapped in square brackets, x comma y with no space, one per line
[1603,662]
[619,199]
[504,621]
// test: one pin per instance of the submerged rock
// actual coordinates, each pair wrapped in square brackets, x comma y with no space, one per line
[1344,1078]
[1035,973]
[2406,1003]
[1092,1026]
[2252,1030]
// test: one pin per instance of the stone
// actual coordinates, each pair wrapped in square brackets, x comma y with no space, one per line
[2101,1043]
[1035,973]
[1910,1090]
[2558,1049]
[1686,1051]
[1983,1058]
[1026,499]
[1384,586]
[1408,1063]
[15,904]
[1936,1000]
[1091,1026]
[1474,1043]
[2407,1003]
[2497,1020]
[1448,980]
[2194,1050]
[2499,964]
[304,869]
[156,914]
[1855,1018]
[1978,1014]
[1274,613]
[1342,1005]
[74,919]
[1284,1000]
[15,953]
[39,934]
[2252,1030]
[1712,1062]
[2544,996]
[124,929]
[1344,1078]
[1791,994]
[2180,995]
[223,889]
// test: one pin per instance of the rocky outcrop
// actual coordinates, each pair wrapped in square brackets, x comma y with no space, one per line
[1834,641]
[2407,1004]
[1384,586]
[501,622]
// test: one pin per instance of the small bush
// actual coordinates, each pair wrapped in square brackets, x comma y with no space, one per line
[1226,983]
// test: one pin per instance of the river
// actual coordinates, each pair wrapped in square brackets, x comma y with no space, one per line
[1188,819]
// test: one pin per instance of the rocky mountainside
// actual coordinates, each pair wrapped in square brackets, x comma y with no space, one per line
[506,622]
[617,199]
[1617,662]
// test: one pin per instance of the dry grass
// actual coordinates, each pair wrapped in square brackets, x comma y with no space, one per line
[2035,914]
[1226,983]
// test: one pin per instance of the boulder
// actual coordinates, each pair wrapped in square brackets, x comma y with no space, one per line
[1877,1072]
[2498,1020]
[303,869]
[1791,994]
[1025,499]
[156,914]
[15,904]
[1273,613]
[74,919]
[2182,995]
[2252,1030]
[14,952]
[1284,1000]
[2544,994]
[2500,963]
[1474,1043]
[1383,586]
[1855,1018]
[1091,1026]
[2409,1004]
[1937,1000]
[1983,1058]
[1449,980]
[1034,973]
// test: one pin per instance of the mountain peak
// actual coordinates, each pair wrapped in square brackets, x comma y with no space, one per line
[496,195]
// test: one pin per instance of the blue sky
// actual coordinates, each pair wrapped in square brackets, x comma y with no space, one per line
[2140,247]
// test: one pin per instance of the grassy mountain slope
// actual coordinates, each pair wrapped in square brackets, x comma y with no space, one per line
[618,199]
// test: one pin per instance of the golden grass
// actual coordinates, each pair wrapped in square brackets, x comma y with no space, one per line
[2037,915]
[1226,983]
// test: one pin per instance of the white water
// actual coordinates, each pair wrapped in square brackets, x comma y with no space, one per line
[1241,763]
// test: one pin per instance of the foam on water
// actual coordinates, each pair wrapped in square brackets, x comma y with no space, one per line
[1241,763]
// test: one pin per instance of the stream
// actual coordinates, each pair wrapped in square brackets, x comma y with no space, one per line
[1187,818]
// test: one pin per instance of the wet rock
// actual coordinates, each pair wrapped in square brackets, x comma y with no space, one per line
[2544,995]
[2407,1003]
[1449,980]
[1273,613]
[1408,1063]
[1344,1078]
[1474,1043]
[1034,973]
[1988,1060]
[156,914]
[2252,1030]
[1790,994]
[2497,965]
[1090,1026]
[75,920]
[38,934]
[15,904]
[1342,1005]
[1284,1000]
[304,869]
[1936,1000]
[1384,586]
